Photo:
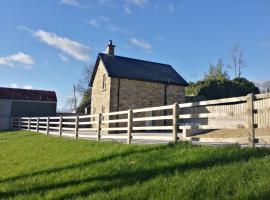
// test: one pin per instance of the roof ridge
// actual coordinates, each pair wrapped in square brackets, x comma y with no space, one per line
[137,59]
[136,69]
[27,94]
[26,89]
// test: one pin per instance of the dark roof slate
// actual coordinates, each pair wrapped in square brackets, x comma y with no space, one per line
[24,94]
[123,67]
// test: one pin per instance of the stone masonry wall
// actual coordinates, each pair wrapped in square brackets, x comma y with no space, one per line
[100,97]
[140,94]
[175,94]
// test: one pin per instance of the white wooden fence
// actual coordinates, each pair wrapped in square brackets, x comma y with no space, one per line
[172,121]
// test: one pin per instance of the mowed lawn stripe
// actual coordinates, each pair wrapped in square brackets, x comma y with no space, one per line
[34,166]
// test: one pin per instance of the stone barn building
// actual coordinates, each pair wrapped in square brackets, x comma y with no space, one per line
[120,83]
[25,103]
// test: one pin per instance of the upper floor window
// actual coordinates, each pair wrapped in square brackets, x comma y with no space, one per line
[104,82]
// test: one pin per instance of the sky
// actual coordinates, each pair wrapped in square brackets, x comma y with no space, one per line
[46,44]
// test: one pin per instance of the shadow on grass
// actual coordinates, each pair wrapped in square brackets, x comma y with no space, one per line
[121,179]
[264,196]
[82,164]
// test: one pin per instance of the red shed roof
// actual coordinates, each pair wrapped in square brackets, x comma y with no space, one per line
[24,94]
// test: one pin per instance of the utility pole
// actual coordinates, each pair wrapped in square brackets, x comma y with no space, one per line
[75,101]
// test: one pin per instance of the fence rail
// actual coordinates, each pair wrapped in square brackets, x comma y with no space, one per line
[175,120]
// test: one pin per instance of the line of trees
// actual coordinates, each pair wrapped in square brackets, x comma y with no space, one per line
[217,82]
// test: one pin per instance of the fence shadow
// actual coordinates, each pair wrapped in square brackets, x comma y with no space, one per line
[84,164]
[121,179]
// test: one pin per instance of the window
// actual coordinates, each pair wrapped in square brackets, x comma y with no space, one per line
[104,82]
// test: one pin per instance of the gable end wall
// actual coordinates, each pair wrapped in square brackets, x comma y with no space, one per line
[100,97]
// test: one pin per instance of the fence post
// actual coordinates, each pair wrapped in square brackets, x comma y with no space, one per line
[60,126]
[175,121]
[19,126]
[48,125]
[37,124]
[98,126]
[29,123]
[130,125]
[11,123]
[76,126]
[250,121]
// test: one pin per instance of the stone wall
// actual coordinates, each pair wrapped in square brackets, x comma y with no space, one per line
[135,94]
[100,98]
[175,94]
[140,94]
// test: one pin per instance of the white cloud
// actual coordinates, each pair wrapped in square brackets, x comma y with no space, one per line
[63,58]
[20,59]
[14,85]
[71,3]
[142,44]
[103,18]
[28,87]
[84,3]
[94,22]
[160,37]
[140,3]
[72,48]
[127,10]
[114,28]
[171,7]
[25,28]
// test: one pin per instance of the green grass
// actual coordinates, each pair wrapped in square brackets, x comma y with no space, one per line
[33,166]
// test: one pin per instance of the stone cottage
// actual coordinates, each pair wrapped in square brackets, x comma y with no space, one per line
[120,83]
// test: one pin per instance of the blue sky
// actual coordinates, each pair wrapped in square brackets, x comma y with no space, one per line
[45,44]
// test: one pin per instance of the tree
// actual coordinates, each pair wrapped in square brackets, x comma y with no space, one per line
[216,84]
[266,86]
[237,59]
[83,83]
[217,72]
[69,104]
[216,89]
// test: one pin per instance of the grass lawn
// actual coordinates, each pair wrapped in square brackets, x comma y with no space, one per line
[33,166]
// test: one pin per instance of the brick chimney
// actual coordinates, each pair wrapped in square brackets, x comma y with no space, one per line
[110,49]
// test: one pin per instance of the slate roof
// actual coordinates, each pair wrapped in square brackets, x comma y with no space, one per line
[24,94]
[130,68]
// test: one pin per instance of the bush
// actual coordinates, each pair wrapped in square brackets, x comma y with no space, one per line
[216,89]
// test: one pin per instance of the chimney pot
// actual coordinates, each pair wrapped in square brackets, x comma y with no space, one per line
[110,48]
